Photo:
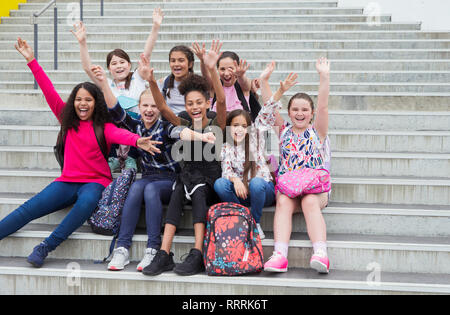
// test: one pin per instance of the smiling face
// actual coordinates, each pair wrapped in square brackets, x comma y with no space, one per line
[300,113]
[226,71]
[84,104]
[197,106]
[119,68]
[148,109]
[179,65]
[238,128]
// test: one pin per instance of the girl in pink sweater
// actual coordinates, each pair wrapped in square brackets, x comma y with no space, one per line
[85,172]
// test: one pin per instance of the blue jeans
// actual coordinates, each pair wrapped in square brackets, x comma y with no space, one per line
[56,196]
[261,194]
[154,190]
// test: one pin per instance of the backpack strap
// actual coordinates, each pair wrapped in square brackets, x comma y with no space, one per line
[100,136]
[165,87]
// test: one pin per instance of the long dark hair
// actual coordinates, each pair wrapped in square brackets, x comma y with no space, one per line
[69,118]
[189,56]
[121,54]
[249,164]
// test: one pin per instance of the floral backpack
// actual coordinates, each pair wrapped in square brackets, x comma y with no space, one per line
[232,245]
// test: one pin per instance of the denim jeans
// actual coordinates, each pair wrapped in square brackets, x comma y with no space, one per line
[154,190]
[261,194]
[56,196]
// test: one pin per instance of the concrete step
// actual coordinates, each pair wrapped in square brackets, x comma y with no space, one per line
[348,189]
[341,140]
[213,18]
[367,219]
[242,43]
[305,77]
[60,276]
[393,254]
[235,26]
[288,65]
[339,119]
[344,163]
[335,87]
[366,101]
[273,54]
[208,35]
[244,9]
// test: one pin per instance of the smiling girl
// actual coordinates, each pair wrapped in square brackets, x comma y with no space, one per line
[125,84]
[304,143]
[85,172]
[198,174]
[159,171]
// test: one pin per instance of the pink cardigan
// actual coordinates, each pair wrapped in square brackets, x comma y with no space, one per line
[83,159]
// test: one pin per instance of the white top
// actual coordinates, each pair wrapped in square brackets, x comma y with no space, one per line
[129,98]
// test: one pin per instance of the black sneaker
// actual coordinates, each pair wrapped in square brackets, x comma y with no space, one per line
[162,262]
[192,265]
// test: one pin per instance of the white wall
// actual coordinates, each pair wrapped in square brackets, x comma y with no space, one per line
[434,14]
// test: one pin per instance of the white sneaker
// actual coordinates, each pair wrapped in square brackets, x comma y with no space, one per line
[120,259]
[260,231]
[148,258]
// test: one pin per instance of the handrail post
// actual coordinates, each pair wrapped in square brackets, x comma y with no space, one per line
[35,42]
[101,8]
[81,10]
[55,37]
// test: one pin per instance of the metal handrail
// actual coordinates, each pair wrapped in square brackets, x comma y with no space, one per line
[34,21]
[55,33]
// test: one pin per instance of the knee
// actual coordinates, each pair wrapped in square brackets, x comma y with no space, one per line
[222,185]
[151,192]
[257,185]
[310,203]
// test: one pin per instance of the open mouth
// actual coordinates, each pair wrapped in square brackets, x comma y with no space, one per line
[196,114]
[149,116]
[177,70]
[83,112]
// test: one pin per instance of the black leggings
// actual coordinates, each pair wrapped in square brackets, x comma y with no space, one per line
[202,198]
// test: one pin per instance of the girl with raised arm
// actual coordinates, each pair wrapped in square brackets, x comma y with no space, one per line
[304,143]
[85,171]
[159,170]
[199,172]
[126,85]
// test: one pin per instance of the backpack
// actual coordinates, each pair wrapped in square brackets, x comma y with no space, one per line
[58,149]
[232,245]
[106,219]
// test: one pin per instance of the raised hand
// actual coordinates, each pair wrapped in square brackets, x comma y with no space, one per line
[267,72]
[25,49]
[210,59]
[288,82]
[145,71]
[79,32]
[149,145]
[241,68]
[158,16]
[99,74]
[323,66]
[199,51]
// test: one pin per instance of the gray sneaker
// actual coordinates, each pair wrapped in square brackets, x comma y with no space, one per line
[120,259]
[148,257]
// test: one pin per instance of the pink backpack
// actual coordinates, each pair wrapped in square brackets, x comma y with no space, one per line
[304,181]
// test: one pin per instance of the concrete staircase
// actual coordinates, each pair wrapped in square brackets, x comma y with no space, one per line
[388,219]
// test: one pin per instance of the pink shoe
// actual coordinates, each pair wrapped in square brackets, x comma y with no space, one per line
[319,262]
[276,263]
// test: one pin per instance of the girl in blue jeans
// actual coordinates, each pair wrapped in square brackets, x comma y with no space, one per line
[246,177]
[85,171]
